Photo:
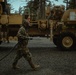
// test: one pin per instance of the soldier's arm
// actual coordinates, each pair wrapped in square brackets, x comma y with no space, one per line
[22,33]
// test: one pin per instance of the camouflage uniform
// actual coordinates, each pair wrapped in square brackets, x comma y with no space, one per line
[22,49]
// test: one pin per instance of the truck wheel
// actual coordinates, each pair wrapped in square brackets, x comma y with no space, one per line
[67,41]
[0,42]
[55,40]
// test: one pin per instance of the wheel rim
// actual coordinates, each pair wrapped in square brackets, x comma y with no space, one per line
[67,42]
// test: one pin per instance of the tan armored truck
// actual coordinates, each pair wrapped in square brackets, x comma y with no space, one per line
[64,33]
[9,23]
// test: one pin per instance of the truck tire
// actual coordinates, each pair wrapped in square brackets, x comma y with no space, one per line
[55,40]
[67,41]
[0,42]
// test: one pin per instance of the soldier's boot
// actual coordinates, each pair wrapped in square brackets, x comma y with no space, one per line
[14,66]
[33,66]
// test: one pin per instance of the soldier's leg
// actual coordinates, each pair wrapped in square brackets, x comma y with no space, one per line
[28,57]
[18,56]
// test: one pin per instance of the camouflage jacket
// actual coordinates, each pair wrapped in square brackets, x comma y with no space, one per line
[22,35]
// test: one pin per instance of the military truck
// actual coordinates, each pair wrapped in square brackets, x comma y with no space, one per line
[60,27]
[64,32]
[9,23]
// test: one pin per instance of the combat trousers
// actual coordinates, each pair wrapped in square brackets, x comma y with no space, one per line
[26,55]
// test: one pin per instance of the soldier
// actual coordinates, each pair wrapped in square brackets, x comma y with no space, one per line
[22,49]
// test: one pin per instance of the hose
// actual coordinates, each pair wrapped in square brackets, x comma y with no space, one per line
[12,50]
[9,52]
